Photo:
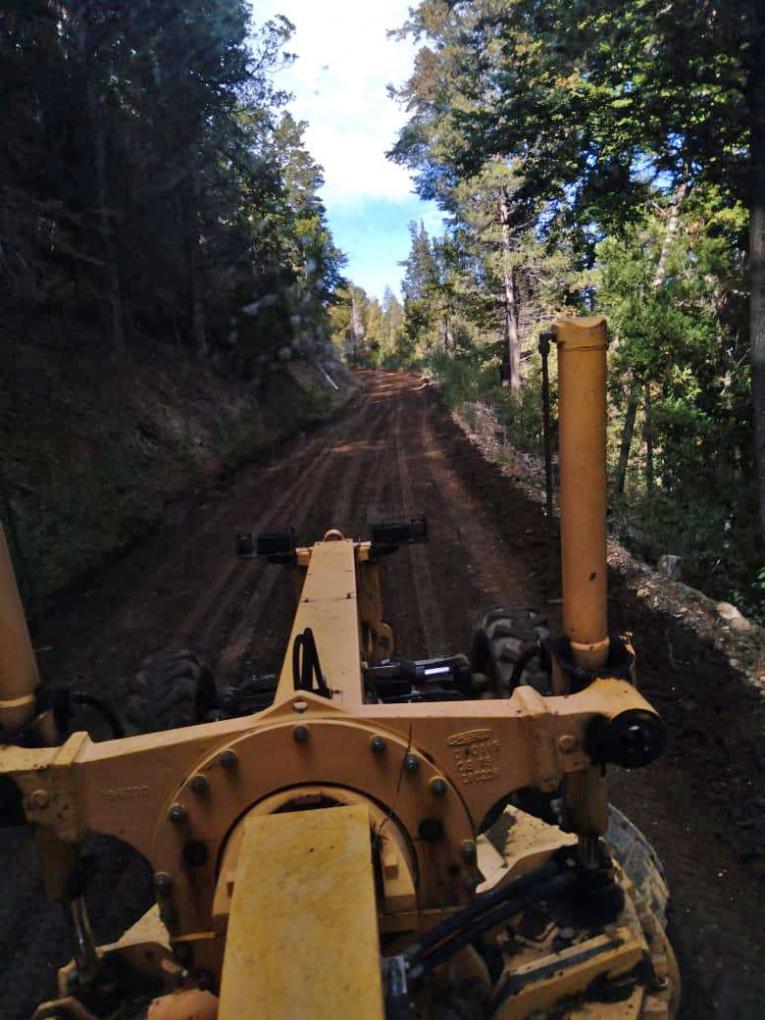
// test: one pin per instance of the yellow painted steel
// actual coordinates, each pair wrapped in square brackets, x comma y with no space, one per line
[328,605]
[18,668]
[582,398]
[302,940]
[541,985]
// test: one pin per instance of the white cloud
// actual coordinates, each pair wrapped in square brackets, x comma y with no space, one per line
[345,61]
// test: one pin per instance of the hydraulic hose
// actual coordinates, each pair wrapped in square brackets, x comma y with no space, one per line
[466,936]
[480,906]
[103,708]
[306,666]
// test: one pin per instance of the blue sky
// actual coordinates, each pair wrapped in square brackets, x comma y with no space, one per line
[345,61]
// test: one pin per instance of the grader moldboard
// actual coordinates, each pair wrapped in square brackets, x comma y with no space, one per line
[386,838]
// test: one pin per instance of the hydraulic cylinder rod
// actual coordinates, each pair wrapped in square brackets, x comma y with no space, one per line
[582,398]
[18,668]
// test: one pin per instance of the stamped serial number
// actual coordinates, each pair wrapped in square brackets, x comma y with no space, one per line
[124,792]
[475,756]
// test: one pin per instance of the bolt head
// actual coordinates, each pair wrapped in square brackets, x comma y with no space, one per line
[300,706]
[195,854]
[411,764]
[377,744]
[438,787]
[39,799]
[228,758]
[568,743]
[177,813]
[163,883]
[200,785]
[300,734]
[468,850]
[431,830]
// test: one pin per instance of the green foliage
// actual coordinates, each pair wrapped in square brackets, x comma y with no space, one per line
[152,187]
[366,332]
[473,377]
[595,160]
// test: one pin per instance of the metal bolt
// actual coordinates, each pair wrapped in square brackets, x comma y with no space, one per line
[39,799]
[431,829]
[177,813]
[468,851]
[163,883]
[568,743]
[411,764]
[299,706]
[228,758]
[195,854]
[567,934]
[377,744]
[300,734]
[200,785]
[438,787]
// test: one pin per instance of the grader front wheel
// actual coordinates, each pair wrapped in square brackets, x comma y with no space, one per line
[508,648]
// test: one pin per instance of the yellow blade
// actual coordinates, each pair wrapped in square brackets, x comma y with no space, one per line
[302,939]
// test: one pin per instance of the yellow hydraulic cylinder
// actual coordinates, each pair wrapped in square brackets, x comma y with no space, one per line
[18,668]
[582,399]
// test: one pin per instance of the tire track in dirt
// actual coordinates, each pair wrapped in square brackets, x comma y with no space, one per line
[194,532]
[203,626]
[422,581]
[312,507]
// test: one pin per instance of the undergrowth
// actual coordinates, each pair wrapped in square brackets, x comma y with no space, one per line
[708,527]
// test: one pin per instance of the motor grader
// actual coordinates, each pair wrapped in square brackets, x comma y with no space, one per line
[368,836]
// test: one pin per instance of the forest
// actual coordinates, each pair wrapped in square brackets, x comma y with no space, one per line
[154,189]
[605,161]
[157,199]
[165,260]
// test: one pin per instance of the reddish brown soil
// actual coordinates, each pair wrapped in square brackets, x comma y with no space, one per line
[396,450]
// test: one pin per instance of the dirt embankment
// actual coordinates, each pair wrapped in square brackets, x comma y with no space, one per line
[93,452]
[396,449]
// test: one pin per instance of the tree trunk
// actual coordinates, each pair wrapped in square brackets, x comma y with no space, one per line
[191,230]
[626,443]
[356,328]
[673,222]
[510,302]
[113,288]
[448,336]
[97,113]
[757,247]
[649,465]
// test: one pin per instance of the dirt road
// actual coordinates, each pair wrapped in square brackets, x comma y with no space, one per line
[396,449]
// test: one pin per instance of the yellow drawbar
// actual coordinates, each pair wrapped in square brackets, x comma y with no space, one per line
[302,939]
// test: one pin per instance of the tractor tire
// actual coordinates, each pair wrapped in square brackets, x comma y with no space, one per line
[501,639]
[642,866]
[639,861]
[172,689]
